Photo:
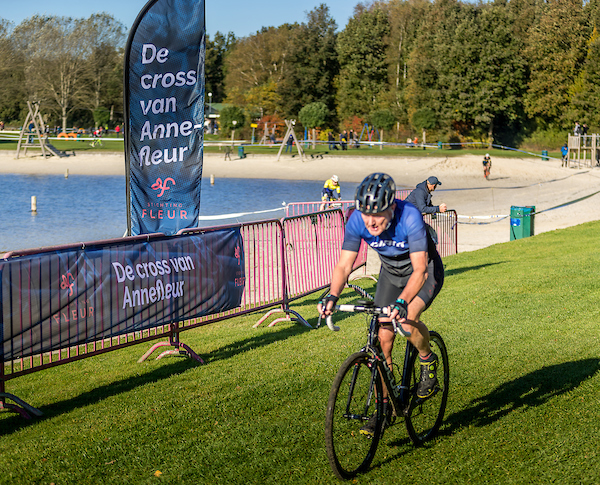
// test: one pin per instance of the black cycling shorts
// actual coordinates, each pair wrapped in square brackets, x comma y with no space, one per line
[389,286]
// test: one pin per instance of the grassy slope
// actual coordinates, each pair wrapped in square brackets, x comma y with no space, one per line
[521,323]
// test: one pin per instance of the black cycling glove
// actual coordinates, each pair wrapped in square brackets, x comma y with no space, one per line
[402,308]
[327,299]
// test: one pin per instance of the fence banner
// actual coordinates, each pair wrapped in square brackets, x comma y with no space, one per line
[164,116]
[68,297]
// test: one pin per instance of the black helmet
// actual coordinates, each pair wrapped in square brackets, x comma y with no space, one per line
[376,193]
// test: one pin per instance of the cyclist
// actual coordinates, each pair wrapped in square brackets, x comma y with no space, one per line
[411,273]
[331,190]
[96,134]
[487,165]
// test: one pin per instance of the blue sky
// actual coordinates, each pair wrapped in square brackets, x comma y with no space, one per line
[241,17]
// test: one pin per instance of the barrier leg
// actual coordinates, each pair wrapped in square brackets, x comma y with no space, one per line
[283,309]
[21,407]
[180,347]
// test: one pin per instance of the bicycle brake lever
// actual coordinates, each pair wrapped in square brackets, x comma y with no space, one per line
[398,329]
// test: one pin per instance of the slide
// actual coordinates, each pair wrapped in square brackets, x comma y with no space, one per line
[55,151]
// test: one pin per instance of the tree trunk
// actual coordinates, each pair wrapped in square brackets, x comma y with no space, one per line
[314,143]
[64,119]
[381,140]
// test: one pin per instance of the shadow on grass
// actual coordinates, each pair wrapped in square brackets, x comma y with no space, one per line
[531,390]
[456,271]
[252,343]
[16,422]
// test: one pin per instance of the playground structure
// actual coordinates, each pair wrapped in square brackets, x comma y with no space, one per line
[290,131]
[268,136]
[32,134]
[369,133]
[32,137]
[584,150]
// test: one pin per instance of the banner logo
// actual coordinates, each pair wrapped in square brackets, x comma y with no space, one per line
[162,186]
[67,282]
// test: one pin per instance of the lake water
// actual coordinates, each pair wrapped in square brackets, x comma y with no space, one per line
[89,208]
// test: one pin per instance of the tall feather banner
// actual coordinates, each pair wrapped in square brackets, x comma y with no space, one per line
[164,116]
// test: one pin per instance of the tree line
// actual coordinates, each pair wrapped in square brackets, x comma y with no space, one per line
[506,71]
[72,67]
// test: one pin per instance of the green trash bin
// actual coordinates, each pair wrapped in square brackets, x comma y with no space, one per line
[521,222]
[241,153]
[544,155]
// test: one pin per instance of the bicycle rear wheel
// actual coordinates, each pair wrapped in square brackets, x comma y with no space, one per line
[356,395]
[425,417]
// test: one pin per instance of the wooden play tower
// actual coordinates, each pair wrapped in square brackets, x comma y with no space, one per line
[584,150]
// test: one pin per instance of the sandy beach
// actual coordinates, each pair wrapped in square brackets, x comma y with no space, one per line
[480,204]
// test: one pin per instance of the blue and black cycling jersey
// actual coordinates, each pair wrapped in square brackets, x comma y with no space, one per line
[407,233]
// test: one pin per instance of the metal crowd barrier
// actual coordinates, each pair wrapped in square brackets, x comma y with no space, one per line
[301,208]
[446,228]
[283,261]
[445,224]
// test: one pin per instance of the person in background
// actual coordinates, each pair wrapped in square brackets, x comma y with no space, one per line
[564,151]
[331,191]
[289,144]
[331,141]
[344,140]
[421,197]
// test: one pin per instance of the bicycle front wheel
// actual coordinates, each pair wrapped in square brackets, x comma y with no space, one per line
[356,395]
[425,417]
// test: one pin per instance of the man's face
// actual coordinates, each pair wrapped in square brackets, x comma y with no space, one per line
[430,187]
[378,222]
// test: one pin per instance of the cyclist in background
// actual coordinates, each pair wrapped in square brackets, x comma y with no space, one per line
[96,137]
[411,273]
[487,165]
[331,190]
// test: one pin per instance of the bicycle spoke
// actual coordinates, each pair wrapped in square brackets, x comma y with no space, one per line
[354,399]
[425,416]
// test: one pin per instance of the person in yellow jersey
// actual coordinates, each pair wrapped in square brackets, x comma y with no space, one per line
[331,190]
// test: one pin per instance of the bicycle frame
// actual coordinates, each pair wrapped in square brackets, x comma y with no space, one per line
[399,395]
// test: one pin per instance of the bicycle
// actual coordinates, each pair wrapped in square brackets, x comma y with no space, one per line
[96,141]
[357,393]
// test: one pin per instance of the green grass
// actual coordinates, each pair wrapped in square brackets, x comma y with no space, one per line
[520,320]
[116,145]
